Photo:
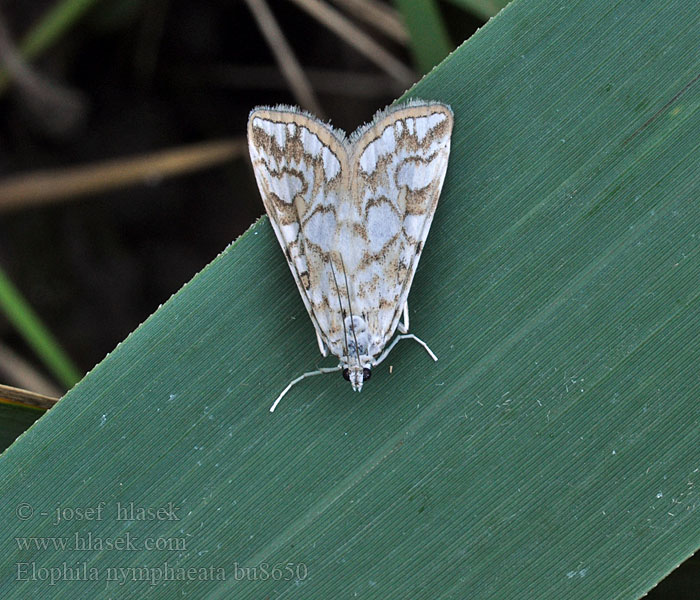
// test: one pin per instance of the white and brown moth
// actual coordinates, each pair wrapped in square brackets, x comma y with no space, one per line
[352,215]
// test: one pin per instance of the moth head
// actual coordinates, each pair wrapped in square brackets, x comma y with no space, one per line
[356,375]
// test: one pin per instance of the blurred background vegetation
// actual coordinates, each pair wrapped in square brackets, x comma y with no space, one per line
[123,167]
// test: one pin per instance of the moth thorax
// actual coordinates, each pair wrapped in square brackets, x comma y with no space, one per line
[358,337]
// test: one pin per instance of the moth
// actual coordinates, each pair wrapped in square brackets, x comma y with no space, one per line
[352,215]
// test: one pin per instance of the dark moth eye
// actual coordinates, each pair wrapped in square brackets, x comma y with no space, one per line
[366,374]
[346,375]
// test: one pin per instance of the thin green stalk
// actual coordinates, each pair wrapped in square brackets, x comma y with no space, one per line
[48,30]
[430,42]
[27,322]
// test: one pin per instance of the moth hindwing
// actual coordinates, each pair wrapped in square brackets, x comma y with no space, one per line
[352,215]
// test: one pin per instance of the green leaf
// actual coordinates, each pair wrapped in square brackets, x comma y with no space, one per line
[552,452]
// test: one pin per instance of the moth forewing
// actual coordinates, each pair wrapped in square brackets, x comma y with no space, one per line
[300,166]
[398,168]
[352,215]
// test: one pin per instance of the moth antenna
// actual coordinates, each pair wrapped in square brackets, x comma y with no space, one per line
[352,319]
[337,289]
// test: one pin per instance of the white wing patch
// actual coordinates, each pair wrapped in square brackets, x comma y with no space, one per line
[352,216]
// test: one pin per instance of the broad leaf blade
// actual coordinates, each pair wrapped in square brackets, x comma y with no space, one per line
[552,451]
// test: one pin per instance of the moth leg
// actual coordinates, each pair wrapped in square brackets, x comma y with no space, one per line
[321,344]
[405,337]
[403,327]
[320,371]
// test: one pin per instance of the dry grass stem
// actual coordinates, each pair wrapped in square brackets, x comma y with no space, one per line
[39,187]
[358,39]
[285,57]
